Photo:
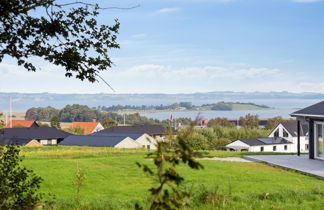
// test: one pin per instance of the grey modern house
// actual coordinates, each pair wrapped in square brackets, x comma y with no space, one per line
[313,116]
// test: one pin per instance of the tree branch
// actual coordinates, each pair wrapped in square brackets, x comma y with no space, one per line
[95,5]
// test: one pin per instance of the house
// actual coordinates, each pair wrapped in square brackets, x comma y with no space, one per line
[24,136]
[145,140]
[156,131]
[313,116]
[22,124]
[288,131]
[100,141]
[88,127]
[269,144]
[283,138]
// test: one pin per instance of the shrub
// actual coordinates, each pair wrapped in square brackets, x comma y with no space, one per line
[18,185]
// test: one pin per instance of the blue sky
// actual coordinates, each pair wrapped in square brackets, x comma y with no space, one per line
[184,46]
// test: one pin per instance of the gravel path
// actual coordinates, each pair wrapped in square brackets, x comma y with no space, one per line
[230,159]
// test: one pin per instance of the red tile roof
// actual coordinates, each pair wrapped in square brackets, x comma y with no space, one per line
[21,123]
[87,126]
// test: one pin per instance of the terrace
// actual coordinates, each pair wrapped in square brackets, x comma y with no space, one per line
[300,163]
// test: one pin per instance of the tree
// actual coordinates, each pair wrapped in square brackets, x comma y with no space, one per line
[168,194]
[18,185]
[220,122]
[2,123]
[273,122]
[249,121]
[55,122]
[108,122]
[77,130]
[66,35]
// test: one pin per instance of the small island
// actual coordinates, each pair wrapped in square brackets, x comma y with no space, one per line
[185,106]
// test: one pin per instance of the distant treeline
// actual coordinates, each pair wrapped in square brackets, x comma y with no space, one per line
[181,105]
[83,113]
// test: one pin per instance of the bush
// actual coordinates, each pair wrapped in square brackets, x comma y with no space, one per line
[18,185]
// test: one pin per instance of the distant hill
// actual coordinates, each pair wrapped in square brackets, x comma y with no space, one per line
[24,101]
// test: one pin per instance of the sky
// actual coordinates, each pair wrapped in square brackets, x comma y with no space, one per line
[187,46]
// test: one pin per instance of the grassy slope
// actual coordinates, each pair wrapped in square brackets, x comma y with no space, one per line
[113,180]
[247,107]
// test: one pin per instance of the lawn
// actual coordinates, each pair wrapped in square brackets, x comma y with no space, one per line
[113,181]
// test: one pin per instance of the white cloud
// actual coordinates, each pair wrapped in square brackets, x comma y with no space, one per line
[167,10]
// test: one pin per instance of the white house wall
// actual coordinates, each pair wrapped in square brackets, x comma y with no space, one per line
[128,143]
[147,141]
[237,143]
[269,148]
[99,127]
[303,139]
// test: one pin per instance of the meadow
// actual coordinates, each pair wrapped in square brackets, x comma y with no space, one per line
[113,181]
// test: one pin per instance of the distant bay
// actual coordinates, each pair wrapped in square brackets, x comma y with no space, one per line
[263,114]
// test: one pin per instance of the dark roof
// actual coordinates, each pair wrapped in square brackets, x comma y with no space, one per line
[35,133]
[316,110]
[110,134]
[15,141]
[291,127]
[265,141]
[92,140]
[149,129]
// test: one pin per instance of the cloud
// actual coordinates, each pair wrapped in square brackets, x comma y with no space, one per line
[141,35]
[167,10]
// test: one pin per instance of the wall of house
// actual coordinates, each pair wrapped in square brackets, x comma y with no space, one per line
[98,128]
[48,141]
[128,143]
[304,140]
[147,141]
[269,148]
[33,143]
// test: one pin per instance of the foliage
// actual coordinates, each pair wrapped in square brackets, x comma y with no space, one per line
[213,138]
[275,121]
[83,113]
[67,35]
[2,123]
[168,194]
[221,106]
[108,122]
[77,130]
[18,185]
[41,113]
[55,122]
[249,121]
[218,121]
[42,124]
[78,182]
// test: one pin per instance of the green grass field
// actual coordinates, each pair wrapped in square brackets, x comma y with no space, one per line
[113,181]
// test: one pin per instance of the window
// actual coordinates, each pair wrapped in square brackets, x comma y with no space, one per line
[148,146]
[276,133]
[274,148]
[261,149]
[285,147]
[285,134]
[49,142]
[306,146]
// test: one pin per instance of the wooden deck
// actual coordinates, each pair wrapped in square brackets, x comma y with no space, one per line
[301,163]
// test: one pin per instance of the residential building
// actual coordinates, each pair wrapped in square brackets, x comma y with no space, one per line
[145,140]
[313,116]
[283,138]
[22,124]
[24,136]
[156,131]
[88,127]
[261,145]
[100,141]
